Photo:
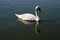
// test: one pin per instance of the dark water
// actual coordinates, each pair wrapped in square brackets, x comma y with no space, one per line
[15,30]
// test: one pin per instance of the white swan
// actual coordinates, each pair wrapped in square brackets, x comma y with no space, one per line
[29,16]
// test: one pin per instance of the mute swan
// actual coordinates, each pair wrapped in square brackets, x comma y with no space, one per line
[29,16]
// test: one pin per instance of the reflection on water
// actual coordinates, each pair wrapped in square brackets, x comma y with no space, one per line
[37,30]
[25,22]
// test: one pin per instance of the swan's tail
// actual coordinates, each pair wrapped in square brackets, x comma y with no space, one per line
[17,15]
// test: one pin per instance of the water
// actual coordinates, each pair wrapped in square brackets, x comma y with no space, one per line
[12,29]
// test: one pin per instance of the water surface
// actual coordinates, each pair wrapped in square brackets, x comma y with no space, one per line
[49,26]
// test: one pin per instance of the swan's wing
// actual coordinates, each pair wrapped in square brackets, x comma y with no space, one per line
[26,16]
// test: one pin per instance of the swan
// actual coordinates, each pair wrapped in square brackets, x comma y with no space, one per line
[29,16]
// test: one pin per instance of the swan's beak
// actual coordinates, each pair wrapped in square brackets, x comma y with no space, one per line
[39,9]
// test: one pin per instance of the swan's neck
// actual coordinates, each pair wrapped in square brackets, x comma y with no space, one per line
[36,14]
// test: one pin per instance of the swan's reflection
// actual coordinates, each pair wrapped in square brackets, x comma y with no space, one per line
[25,22]
[37,31]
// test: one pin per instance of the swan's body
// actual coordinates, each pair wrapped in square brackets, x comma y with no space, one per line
[26,16]
[29,16]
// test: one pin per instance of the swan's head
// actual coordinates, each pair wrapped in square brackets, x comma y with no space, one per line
[37,8]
